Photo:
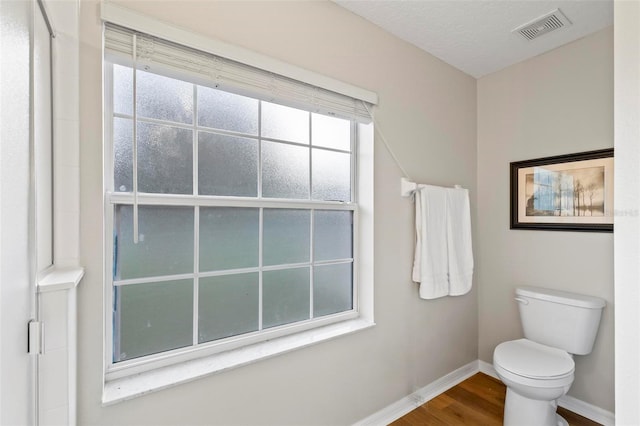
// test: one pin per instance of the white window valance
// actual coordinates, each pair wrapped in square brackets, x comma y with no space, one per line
[166,57]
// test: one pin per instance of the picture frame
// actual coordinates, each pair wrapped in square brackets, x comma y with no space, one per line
[572,192]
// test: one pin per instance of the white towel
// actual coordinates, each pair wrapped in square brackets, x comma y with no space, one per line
[443,262]
[430,266]
[459,241]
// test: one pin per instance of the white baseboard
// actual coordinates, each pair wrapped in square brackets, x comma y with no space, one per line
[486,368]
[597,414]
[408,403]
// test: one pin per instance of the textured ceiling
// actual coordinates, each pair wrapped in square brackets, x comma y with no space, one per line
[475,35]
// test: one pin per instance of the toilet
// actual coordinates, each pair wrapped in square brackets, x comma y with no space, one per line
[539,368]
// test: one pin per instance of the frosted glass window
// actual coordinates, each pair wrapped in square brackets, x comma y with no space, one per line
[285,171]
[222,110]
[331,175]
[164,98]
[332,289]
[165,159]
[228,238]
[332,235]
[281,122]
[122,90]
[237,231]
[122,155]
[330,132]
[153,318]
[227,306]
[285,296]
[286,236]
[227,165]
[165,241]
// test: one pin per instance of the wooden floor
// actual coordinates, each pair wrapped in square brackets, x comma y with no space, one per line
[479,400]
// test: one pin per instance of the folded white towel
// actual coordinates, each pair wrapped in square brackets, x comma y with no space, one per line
[443,261]
[459,241]
[430,266]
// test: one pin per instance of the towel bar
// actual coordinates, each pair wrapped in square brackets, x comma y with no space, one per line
[407,187]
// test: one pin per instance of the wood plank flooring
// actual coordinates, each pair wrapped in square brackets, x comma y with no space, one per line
[479,400]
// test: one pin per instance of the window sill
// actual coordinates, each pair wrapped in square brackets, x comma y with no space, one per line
[57,279]
[126,388]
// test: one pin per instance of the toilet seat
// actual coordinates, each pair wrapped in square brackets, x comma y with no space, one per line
[531,360]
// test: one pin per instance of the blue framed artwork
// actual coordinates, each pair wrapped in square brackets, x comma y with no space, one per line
[572,192]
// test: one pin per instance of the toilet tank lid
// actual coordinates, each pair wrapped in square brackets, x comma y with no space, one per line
[564,297]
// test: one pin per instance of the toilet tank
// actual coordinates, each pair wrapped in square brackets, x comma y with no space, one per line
[560,319]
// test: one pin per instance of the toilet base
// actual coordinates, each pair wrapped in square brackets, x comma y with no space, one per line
[522,411]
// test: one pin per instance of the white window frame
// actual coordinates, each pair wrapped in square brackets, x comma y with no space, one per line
[130,378]
[113,199]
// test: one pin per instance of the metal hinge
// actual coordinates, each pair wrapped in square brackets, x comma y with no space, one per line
[36,337]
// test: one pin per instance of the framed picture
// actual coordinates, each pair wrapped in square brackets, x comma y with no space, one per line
[571,192]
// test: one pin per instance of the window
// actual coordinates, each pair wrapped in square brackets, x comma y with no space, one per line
[230,218]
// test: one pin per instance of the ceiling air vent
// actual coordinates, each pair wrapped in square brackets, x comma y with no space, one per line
[552,21]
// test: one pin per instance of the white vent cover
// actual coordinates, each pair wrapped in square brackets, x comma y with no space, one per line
[552,21]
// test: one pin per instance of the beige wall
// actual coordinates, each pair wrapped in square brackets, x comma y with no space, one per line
[428,113]
[557,103]
[627,236]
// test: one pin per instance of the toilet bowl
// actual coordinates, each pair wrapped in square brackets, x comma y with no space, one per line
[536,376]
[539,368]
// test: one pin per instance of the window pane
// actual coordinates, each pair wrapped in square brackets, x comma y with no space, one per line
[305,156]
[122,90]
[285,296]
[164,98]
[227,306]
[222,110]
[122,155]
[285,171]
[227,165]
[165,241]
[332,289]
[228,238]
[330,132]
[332,235]
[152,318]
[165,159]
[286,236]
[281,122]
[331,175]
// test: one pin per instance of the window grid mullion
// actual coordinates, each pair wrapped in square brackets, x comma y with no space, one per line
[226,272]
[311,219]
[135,142]
[196,219]
[186,126]
[194,135]
[354,162]
[260,266]
[259,192]
[311,261]
[224,132]
[158,199]
[310,158]
[196,272]
[260,224]
[153,279]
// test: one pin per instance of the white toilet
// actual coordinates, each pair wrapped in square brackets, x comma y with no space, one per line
[538,369]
